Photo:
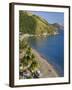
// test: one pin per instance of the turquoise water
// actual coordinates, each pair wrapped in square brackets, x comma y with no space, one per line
[52,49]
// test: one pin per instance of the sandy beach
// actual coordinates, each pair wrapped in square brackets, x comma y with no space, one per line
[46,69]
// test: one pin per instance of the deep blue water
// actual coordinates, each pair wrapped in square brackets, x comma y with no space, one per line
[52,49]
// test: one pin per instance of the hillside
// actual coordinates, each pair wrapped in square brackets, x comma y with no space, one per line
[58,26]
[33,24]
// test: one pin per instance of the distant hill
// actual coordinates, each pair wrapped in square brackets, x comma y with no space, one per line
[33,24]
[58,26]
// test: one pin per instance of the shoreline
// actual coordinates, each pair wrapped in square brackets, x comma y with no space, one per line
[31,35]
[46,69]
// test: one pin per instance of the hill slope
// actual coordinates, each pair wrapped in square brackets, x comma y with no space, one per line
[33,24]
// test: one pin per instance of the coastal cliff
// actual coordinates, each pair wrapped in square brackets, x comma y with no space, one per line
[32,24]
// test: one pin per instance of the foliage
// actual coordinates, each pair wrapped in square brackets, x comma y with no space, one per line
[29,60]
[33,24]
[34,66]
[27,23]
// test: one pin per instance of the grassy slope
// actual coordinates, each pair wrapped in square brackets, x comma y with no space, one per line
[33,24]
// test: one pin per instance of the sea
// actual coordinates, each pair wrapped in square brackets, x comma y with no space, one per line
[51,48]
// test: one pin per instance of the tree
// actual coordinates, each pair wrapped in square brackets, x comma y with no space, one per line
[32,57]
[23,44]
[34,66]
[26,60]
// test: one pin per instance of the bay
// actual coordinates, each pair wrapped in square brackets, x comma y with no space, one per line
[51,48]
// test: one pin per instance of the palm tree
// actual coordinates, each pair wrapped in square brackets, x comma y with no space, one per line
[26,60]
[32,56]
[34,66]
[28,51]
[22,44]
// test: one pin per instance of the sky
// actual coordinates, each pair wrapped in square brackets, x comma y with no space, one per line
[51,17]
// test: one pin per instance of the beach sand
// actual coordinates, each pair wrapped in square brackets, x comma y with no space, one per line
[46,69]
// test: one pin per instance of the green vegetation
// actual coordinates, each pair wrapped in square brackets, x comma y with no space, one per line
[33,24]
[28,62]
[27,23]
[41,19]
[22,44]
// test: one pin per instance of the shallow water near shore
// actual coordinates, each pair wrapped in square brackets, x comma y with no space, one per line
[51,48]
